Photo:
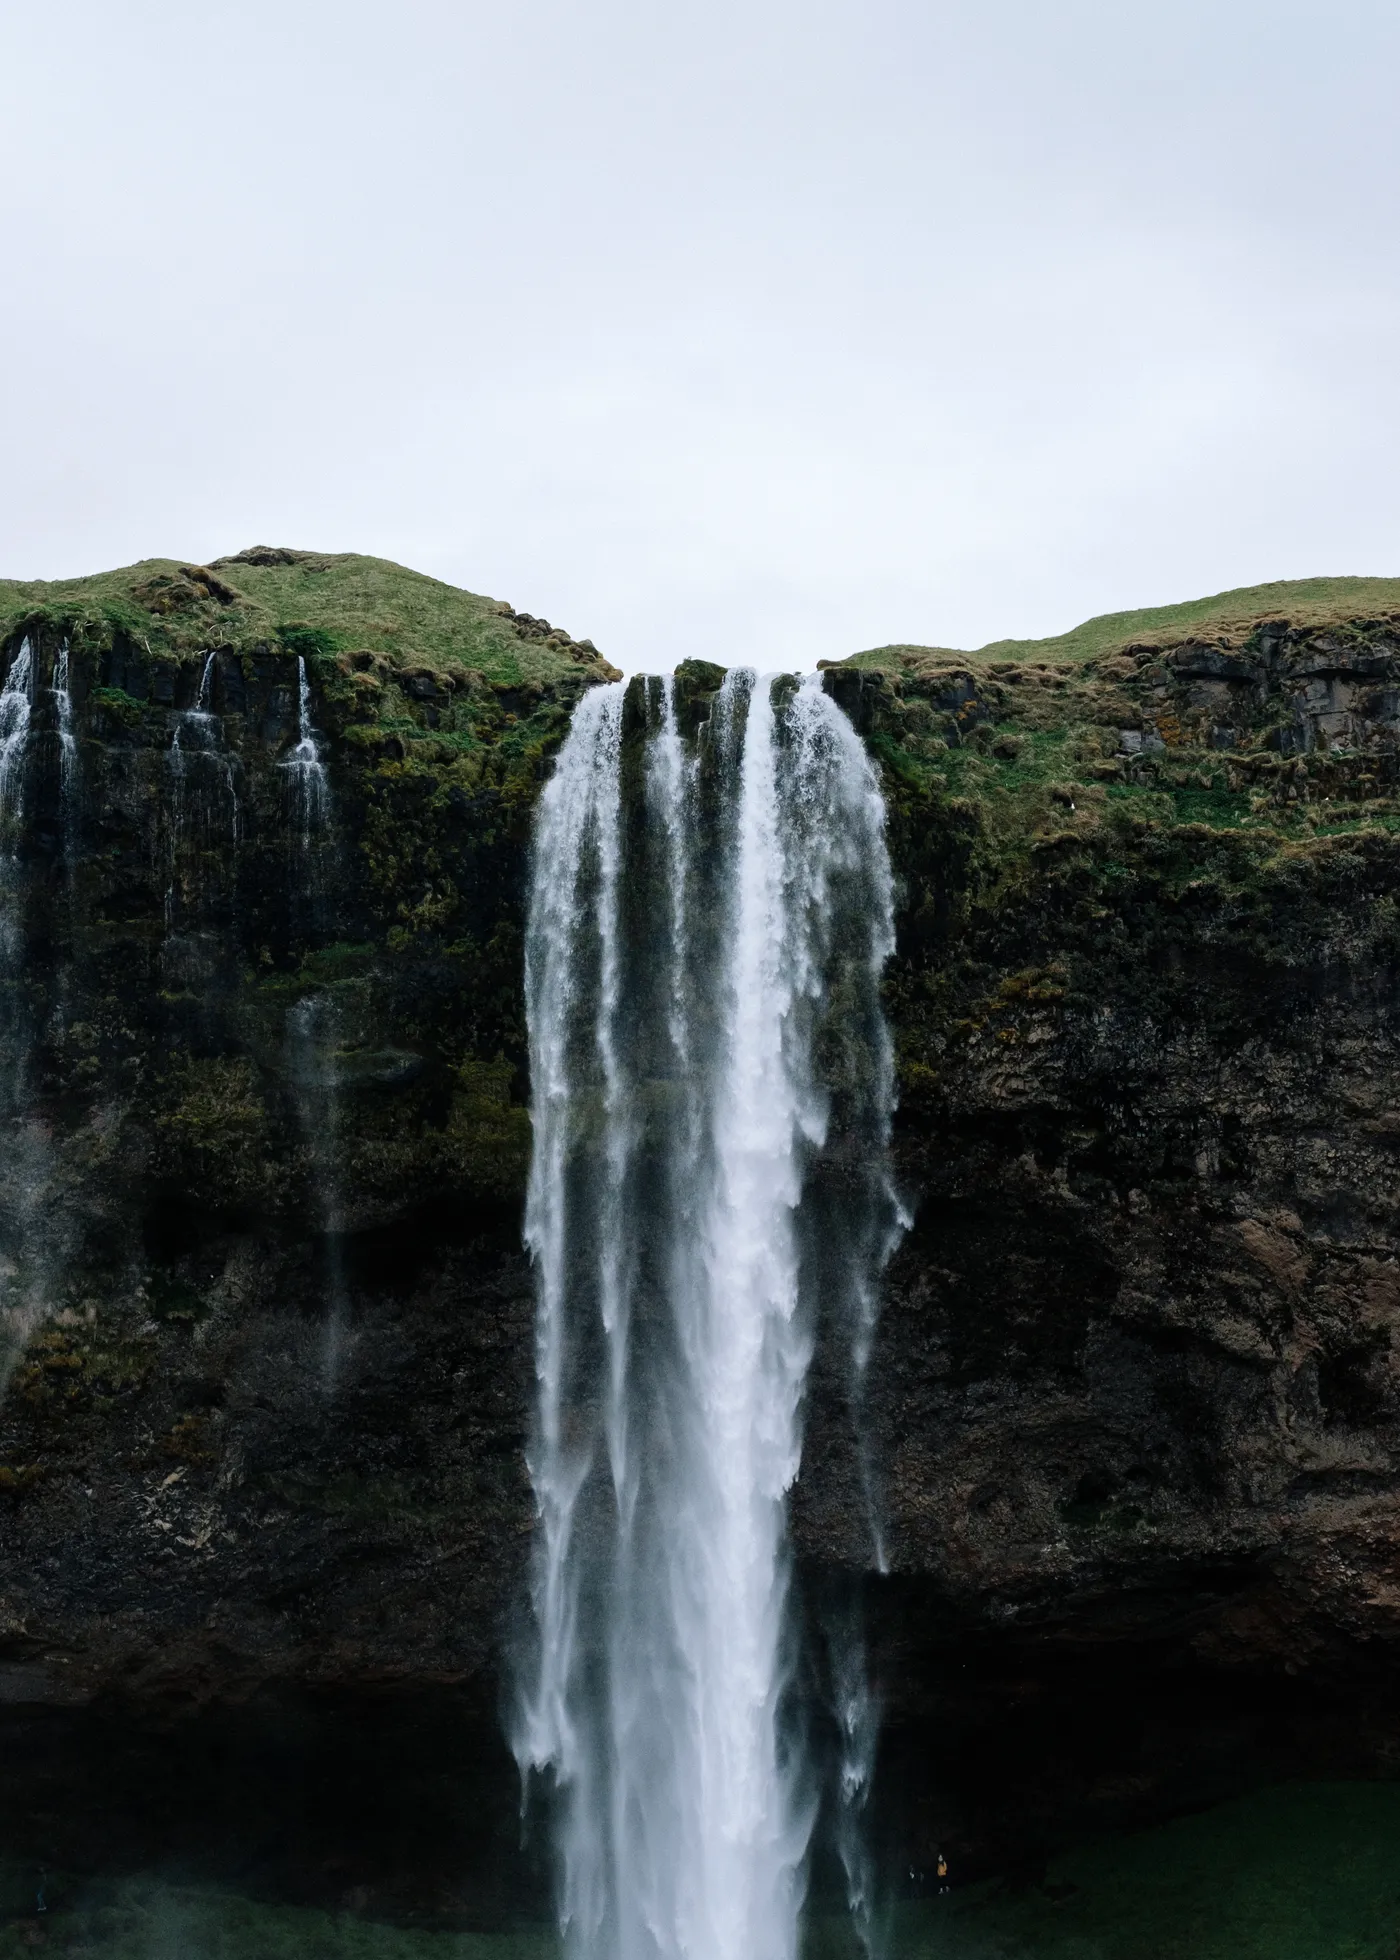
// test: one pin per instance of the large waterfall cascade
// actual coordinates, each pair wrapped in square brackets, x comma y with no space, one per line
[712,1085]
[305,765]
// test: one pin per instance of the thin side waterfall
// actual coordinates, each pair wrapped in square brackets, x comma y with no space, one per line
[16,701]
[708,923]
[198,759]
[856,1708]
[69,818]
[314,1032]
[196,730]
[16,713]
[25,1160]
[313,1038]
[67,751]
[204,806]
[305,766]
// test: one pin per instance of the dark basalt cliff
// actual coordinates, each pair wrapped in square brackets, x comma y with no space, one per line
[1134,1408]
[207,1484]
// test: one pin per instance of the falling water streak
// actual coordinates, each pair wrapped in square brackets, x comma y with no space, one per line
[67,753]
[69,811]
[15,708]
[311,1041]
[637,1871]
[857,852]
[744,1827]
[886,1216]
[305,766]
[677,1085]
[670,785]
[857,1710]
[23,1289]
[197,739]
[584,786]
[614,1277]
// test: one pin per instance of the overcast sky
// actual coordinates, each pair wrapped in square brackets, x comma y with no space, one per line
[752,329]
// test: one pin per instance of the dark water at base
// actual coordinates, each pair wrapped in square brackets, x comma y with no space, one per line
[1304,1871]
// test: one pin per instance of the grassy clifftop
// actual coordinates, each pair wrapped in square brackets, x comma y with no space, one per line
[1228,618]
[304,601]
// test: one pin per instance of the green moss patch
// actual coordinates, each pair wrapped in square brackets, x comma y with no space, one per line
[213,1130]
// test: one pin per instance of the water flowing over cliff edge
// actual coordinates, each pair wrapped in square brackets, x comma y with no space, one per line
[1131,1405]
[703,965]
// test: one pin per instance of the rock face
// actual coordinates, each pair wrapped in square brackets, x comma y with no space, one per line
[1135,1405]
[1137,1389]
[269,1319]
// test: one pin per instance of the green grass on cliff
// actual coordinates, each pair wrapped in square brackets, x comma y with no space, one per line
[1229,616]
[338,602]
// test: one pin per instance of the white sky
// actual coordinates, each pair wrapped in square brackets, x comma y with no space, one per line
[752,329]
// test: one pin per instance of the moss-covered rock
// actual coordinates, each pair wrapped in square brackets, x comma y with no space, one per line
[265,1067]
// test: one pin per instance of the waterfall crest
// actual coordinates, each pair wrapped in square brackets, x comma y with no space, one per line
[708,923]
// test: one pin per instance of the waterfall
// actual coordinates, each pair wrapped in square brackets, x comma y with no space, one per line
[703,956]
[305,766]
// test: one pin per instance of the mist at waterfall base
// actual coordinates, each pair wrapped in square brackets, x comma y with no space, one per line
[712,1084]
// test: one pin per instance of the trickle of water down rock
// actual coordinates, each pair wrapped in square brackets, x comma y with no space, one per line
[67,747]
[305,765]
[712,1085]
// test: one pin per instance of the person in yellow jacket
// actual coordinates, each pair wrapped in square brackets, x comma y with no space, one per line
[942,1870]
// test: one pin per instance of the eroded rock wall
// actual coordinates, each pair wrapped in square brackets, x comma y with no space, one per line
[1135,1392]
[268,1317]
